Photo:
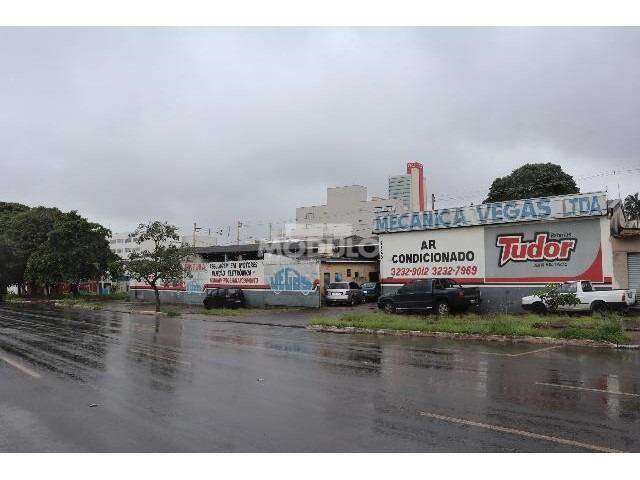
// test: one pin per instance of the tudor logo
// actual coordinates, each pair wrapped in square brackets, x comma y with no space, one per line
[514,248]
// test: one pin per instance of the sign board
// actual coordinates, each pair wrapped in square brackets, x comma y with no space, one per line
[441,253]
[514,253]
[562,207]
[203,275]
[549,252]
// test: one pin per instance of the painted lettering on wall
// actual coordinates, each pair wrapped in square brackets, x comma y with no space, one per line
[513,248]
[592,204]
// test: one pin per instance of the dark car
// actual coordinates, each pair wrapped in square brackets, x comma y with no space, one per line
[440,295]
[224,298]
[371,291]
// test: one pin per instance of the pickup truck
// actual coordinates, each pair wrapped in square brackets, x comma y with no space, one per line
[441,295]
[599,301]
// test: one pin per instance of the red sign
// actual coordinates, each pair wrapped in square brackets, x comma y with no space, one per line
[514,248]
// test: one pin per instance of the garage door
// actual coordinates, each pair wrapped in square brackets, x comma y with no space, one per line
[633,264]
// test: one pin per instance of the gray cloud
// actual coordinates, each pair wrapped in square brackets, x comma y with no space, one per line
[214,125]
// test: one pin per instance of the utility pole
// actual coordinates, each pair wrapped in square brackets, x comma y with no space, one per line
[195,229]
[433,201]
[238,232]
[269,231]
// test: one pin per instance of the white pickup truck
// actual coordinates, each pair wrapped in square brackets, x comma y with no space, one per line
[590,299]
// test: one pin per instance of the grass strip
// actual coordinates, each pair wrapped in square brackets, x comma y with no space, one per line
[601,329]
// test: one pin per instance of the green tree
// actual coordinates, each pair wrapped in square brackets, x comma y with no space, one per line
[75,250]
[530,181]
[7,264]
[44,268]
[632,207]
[24,231]
[164,263]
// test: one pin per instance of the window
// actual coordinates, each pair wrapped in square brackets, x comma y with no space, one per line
[348,272]
[423,285]
[587,287]
[337,277]
[568,288]
[357,275]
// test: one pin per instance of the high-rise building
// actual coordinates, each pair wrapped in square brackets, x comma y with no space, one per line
[348,211]
[410,188]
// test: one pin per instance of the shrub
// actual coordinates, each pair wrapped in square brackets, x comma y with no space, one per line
[553,298]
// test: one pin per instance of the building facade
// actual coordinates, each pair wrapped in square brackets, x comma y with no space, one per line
[508,249]
[411,188]
[123,245]
[348,212]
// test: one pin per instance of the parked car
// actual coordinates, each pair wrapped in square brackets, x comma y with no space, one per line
[371,291]
[441,295]
[224,298]
[344,292]
[591,299]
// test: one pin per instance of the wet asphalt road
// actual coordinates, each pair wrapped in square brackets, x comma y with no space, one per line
[263,383]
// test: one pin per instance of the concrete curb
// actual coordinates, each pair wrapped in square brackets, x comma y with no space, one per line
[471,336]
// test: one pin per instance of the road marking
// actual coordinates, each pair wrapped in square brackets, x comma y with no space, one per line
[20,367]
[536,351]
[523,353]
[523,433]
[571,387]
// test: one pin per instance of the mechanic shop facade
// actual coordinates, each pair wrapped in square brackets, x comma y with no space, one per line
[508,249]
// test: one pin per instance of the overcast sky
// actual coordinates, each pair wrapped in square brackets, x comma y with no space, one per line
[215,125]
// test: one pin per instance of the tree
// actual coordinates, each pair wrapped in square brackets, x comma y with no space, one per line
[24,231]
[632,207]
[7,212]
[530,181]
[75,250]
[164,262]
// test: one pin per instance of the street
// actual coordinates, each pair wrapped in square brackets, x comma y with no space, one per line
[102,381]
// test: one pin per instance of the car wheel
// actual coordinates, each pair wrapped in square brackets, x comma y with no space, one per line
[442,308]
[539,308]
[389,307]
[599,307]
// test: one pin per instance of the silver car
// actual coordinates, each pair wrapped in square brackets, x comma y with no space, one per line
[344,292]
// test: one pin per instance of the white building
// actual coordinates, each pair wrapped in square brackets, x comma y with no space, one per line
[348,211]
[122,243]
[410,188]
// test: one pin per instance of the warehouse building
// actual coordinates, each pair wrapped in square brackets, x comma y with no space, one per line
[509,249]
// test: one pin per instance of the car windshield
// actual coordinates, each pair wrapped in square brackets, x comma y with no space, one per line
[369,285]
[339,286]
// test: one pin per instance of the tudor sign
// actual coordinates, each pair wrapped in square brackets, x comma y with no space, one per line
[513,248]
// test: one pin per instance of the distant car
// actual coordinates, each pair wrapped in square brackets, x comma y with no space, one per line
[441,295]
[591,300]
[344,292]
[224,298]
[371,291]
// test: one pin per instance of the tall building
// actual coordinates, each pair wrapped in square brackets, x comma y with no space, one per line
[410,188]
[348,211]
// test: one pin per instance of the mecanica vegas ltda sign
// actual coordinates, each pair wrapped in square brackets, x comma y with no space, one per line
[546,208]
